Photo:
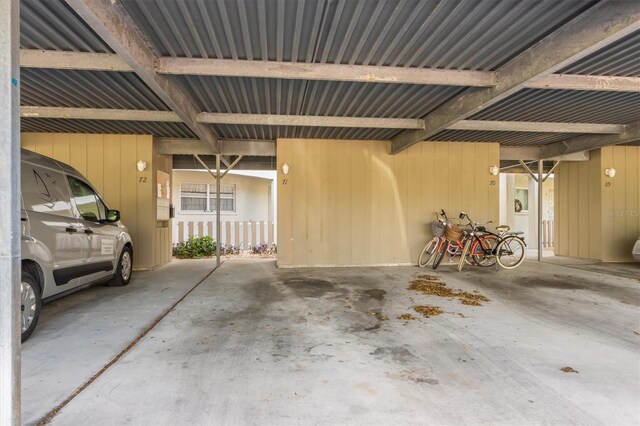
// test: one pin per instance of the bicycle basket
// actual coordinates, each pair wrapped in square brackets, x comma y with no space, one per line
[437,228]
[453,233]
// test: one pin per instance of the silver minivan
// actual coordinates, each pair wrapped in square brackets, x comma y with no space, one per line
[70,238]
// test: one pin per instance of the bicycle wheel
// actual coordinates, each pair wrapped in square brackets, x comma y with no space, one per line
[483,250]
[428,252]
[463,255]
[510,252]
[440,254]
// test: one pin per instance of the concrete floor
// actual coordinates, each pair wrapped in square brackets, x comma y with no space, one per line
[626,269]
[257,345]
[79,334]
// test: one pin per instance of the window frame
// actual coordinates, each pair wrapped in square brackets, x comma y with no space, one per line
[209,197]
[515,197]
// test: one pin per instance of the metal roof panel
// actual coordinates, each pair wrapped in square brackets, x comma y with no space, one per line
[326,98]
[504,138]
[53,25]
[87,89]
[570,106]
[275,132]
[620,59]
[176,130]
[465,34]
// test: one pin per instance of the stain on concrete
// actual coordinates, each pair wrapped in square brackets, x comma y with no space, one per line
[423,380]
[367,387]
[398,354]
[412,376]
[569,282]
[376,294]
[311,287]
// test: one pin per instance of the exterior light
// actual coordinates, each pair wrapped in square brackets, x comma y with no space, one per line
[494,170]
[141,165]
[610,172]
[285,168]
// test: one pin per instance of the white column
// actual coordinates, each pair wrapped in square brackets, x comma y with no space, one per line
[540,195]
[218,224]
[10,217]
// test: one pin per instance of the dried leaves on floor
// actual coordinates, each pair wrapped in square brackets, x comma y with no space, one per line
[406,317]
[428,311]
[431,285]
[568,370]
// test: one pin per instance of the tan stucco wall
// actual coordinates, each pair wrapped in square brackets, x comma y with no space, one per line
[352,203]
[598,217]
[109,163]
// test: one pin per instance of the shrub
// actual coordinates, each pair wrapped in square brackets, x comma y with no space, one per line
[195,248]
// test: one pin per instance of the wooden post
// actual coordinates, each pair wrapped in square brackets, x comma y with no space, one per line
[180,232]
[245,234]
[271,229]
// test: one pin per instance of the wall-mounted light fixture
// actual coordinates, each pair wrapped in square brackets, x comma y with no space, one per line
[494,170]
[610,172]
[285,168]
[141,165]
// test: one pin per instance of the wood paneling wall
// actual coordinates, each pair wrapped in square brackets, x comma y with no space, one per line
[109,163]
[352,203]
[620,202]
[597,217]
[577,200]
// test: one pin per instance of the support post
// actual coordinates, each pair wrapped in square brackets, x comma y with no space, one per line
[10,217]
[218,224]
[540,183]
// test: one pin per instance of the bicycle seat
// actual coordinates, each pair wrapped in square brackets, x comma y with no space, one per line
[481,229]
[502,228]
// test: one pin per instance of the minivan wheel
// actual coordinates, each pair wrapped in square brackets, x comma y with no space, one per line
[30,304]
[123,271]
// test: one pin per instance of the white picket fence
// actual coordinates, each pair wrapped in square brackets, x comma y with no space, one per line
[547,233]
[243,235]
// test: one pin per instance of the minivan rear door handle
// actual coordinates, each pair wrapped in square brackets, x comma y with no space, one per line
[71,229]
[88,231]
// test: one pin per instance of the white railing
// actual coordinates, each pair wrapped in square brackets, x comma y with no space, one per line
[242,235]
[547,233]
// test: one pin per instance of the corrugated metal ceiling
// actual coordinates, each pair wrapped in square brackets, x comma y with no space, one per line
[504,138]
[176,130]
[327,98]
[274,132]
[87,89]
[621,59]
[566,106]
[463,34]
[53,25]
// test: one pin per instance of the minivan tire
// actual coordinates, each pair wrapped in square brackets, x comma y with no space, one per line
[122,276]
[30,303]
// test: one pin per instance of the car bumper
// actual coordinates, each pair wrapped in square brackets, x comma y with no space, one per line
[636,251]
